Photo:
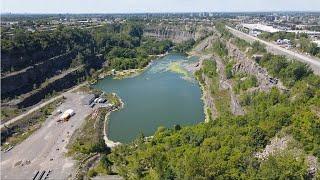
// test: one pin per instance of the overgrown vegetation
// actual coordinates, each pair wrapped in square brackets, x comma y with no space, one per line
[257,48]
[221,97]
[243,82]
[122,44]
[224,148]
[289,71]
[220,26]
[220,49]
[240,43]
[228,70]
[279,35]
[185,46]
[125,47]
[30,47]
[88,142]
[89,139]
[113,99]
[8,113]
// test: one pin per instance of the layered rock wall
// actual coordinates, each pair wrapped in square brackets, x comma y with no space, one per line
[23,81]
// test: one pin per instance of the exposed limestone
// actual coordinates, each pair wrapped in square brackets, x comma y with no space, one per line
[313,165]
[226,84]
[281,144]
[177,34]
[23,81]
[193,67]
[249,66]
[276,145]
[203,45]
[208,100]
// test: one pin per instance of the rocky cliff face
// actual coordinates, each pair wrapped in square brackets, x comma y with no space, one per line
[23,81]
[66,81]
[167,33]
[176,34]
[34,83]
[249,66]
[18,62]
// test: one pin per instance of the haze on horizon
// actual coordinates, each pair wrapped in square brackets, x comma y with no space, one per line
[141,6]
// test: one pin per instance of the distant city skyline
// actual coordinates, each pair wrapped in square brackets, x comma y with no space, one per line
[155,6]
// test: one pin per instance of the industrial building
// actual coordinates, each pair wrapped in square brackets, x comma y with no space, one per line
[255,29]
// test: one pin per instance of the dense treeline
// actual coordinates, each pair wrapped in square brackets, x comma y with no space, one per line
[121,44]
[289,72]
[185,46]
[280,35]
[125,47]
[29,48]
[225,148]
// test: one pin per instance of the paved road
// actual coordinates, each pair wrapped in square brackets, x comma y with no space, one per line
[45,149]
[38,107]
[273,48]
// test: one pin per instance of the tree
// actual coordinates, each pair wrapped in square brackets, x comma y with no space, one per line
[135,30]
[107,164]
[257,47]
[314,49]
[177,127]
[283,166]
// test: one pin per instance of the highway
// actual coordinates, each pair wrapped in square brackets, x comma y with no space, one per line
[313,62]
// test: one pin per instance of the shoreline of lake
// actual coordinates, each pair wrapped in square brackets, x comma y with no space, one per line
[107,141]
[151,70]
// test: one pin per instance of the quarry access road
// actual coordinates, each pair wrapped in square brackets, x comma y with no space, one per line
[45,150]
[36,108]
[313,62]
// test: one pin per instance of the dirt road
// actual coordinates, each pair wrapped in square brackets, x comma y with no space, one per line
[38,107]
[45,149]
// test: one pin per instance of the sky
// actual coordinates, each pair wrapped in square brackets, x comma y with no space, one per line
[136,6]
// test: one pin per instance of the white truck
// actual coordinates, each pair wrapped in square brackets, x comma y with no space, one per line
[66,115]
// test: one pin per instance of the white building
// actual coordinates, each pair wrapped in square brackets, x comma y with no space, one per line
[260,27]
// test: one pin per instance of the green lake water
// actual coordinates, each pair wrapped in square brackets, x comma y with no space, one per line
[157,97]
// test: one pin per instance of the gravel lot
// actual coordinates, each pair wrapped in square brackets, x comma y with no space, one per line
[45,149]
